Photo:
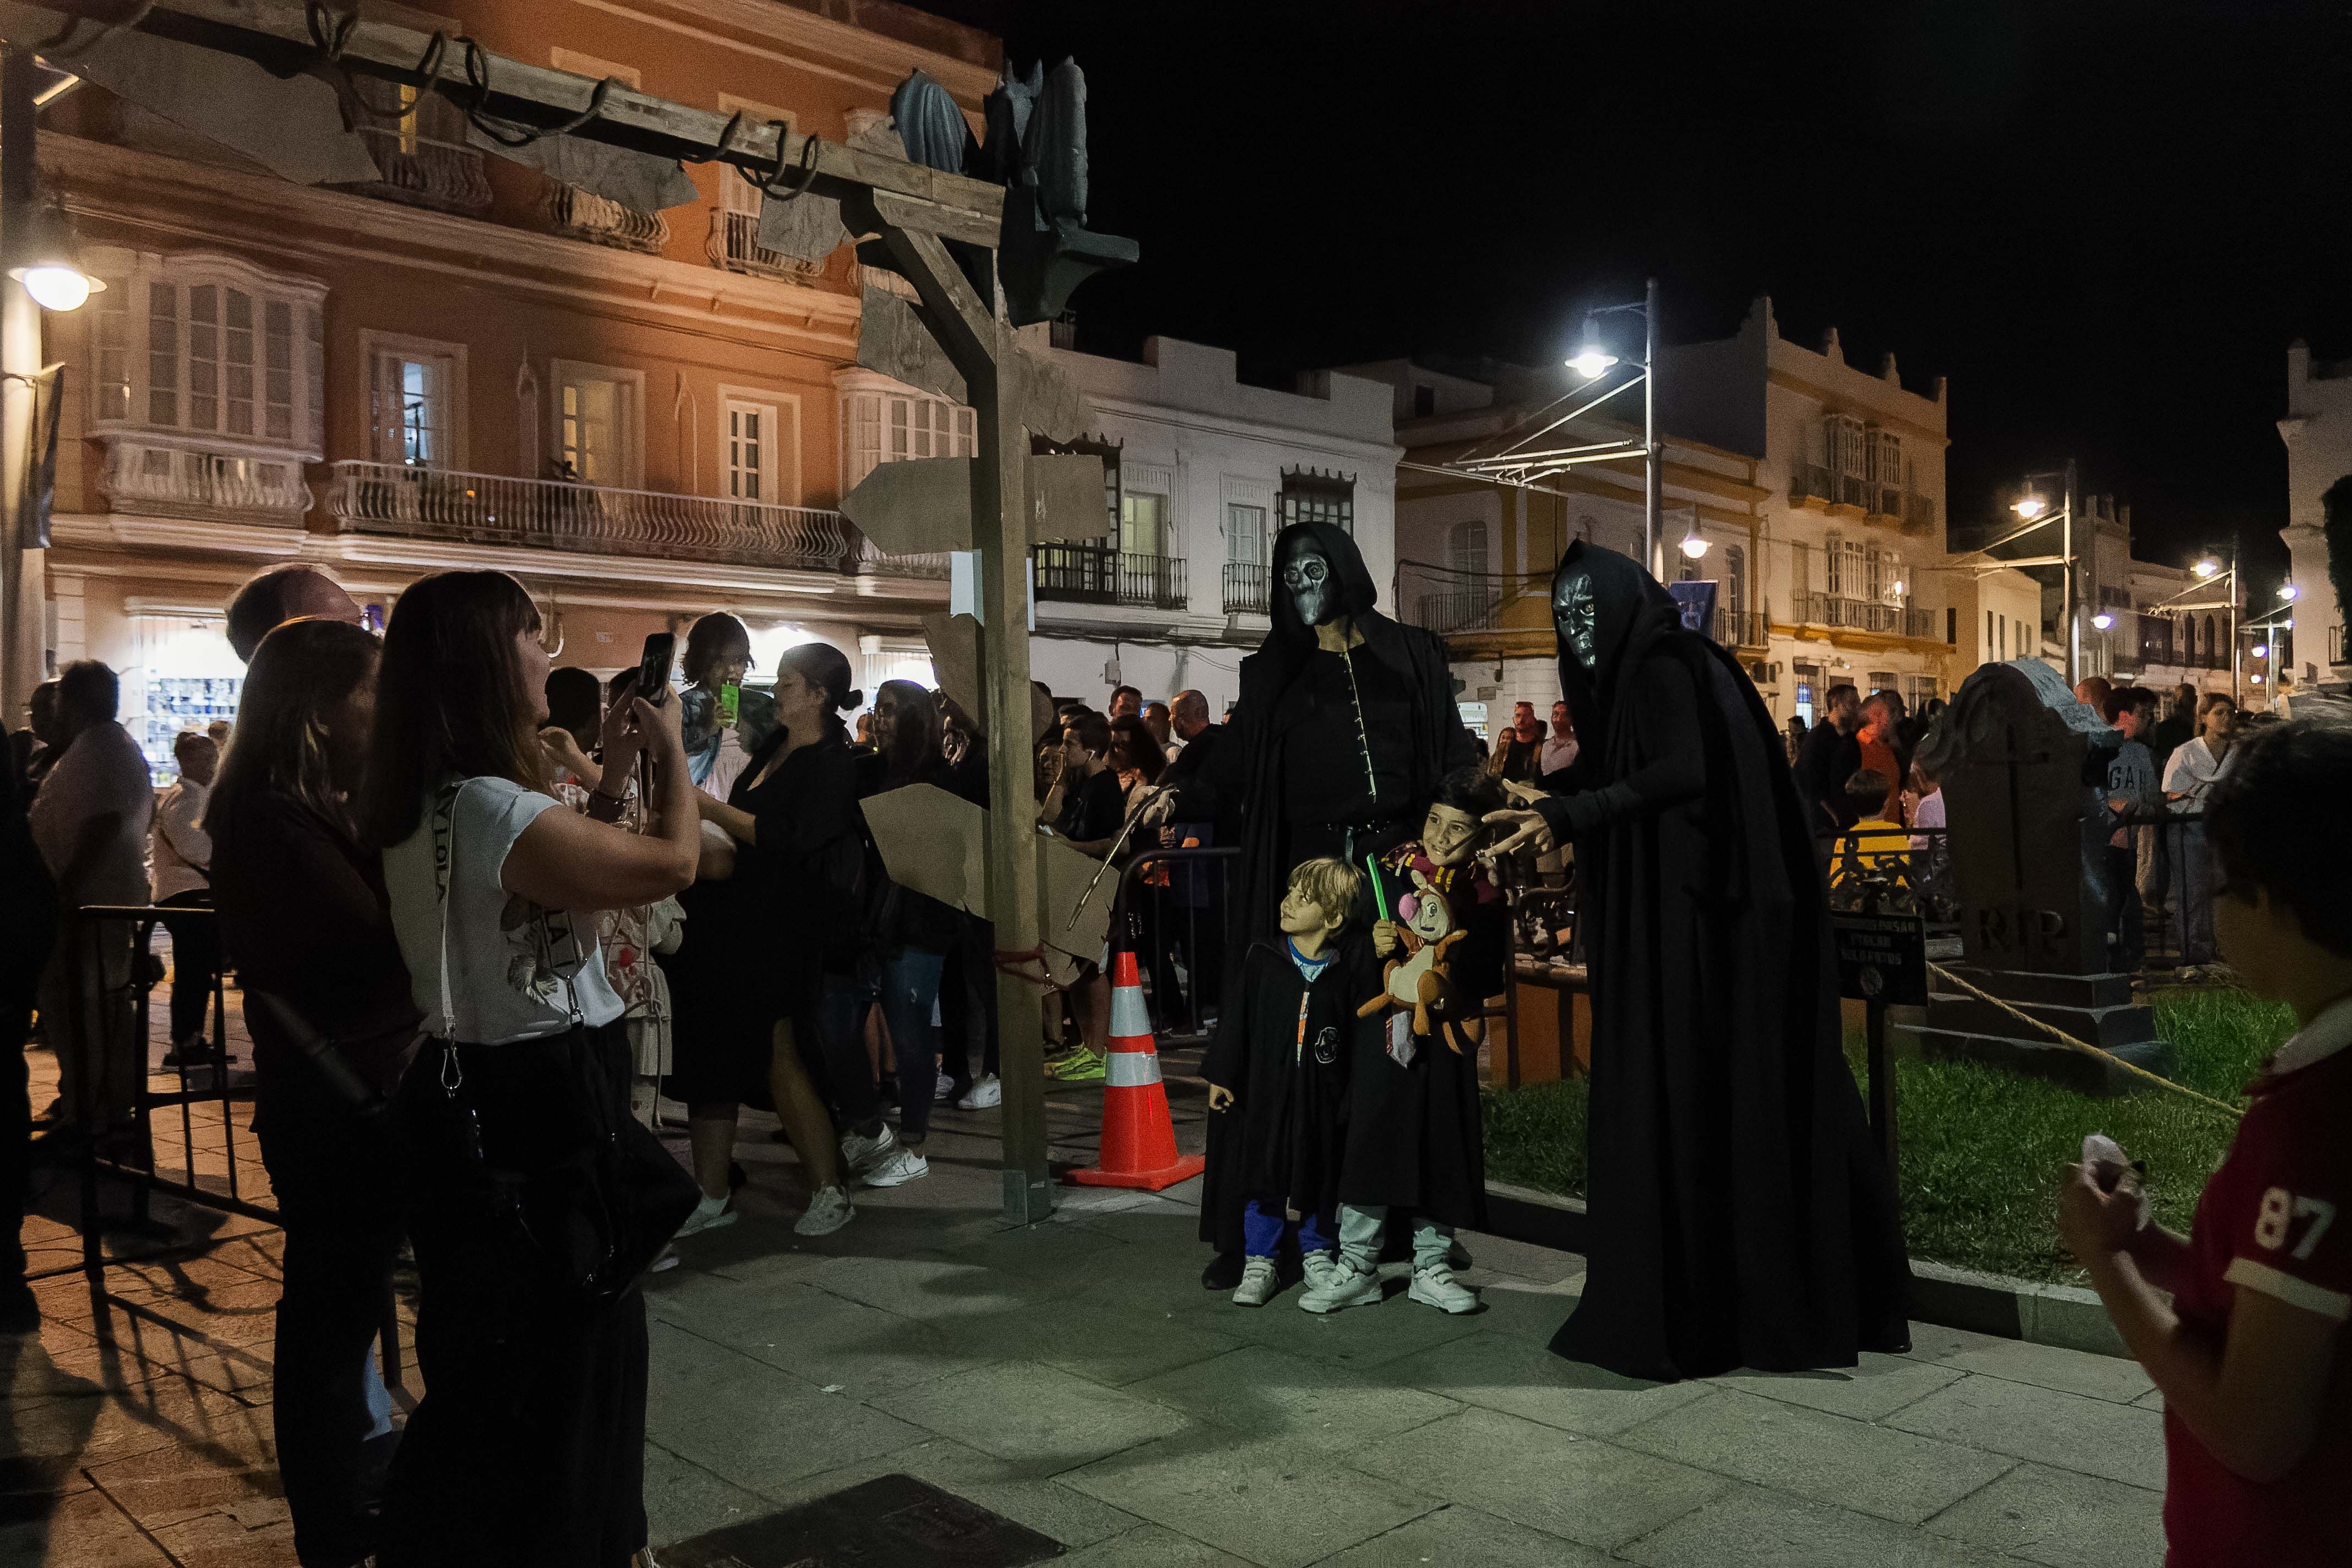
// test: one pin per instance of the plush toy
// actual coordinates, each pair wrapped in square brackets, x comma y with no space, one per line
[1418,979]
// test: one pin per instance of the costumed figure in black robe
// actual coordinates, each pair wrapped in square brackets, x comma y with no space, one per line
[1741,1212]
[1345,722]
[1280,1074]
[1415,1136]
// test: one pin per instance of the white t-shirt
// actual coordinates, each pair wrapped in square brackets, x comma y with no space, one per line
[519,971]
[180,855]
[101,775]
[2191,771]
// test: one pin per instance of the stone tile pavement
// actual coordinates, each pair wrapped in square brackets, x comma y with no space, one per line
[1074,1377]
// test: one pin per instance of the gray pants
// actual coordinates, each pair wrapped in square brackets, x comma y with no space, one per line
[2196,944]
[1361,1229]
[90,1016]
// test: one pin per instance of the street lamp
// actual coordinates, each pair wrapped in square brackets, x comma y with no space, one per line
[2033,506]
[2029,507]
[2103,620]
[47,261]
[1694,544]
[1590,359]
[2288,591]
[2206,567]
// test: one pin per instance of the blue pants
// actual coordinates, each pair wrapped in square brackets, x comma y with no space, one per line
[907,987]
[1261,1232]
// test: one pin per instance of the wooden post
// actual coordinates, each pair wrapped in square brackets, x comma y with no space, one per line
[981,343]
[22,590]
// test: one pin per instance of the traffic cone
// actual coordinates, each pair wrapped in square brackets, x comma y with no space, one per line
[1138,1141]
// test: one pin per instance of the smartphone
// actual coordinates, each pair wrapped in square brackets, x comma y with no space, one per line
[653,666]
[730,704]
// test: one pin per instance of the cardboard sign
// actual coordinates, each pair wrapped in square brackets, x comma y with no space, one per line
[1882,958]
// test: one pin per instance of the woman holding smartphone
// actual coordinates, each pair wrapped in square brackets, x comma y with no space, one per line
[528,1445]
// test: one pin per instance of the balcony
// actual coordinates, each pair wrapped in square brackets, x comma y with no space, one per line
[192,482]
[1809,485]
[1245,588]
[734,244]
[424,173]
[1867,616]
[1105,575]
[1448,610]
[577,215]
[1736,628]
[549,514]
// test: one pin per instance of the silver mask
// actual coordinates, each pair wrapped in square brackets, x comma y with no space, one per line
[1307,579]
[1572,615]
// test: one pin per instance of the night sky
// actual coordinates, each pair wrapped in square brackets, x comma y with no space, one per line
[2103,222]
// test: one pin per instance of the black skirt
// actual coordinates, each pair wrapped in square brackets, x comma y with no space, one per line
[527,1449]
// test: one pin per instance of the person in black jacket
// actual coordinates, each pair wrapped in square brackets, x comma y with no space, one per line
[302,905]
[1831,755]
[1279,1073]
[1741,1212]
[913,932]
[28,927]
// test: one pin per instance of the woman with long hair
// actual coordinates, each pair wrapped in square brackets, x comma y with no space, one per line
[913,933]
[1136,757]
[747,985]
[302,904]
[722,721]
[528,1447]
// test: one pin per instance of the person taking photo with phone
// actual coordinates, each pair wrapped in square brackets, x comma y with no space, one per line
[532,1198]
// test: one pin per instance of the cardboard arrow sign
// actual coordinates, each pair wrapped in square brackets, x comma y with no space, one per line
[893,338]
[920,506]
[935,843]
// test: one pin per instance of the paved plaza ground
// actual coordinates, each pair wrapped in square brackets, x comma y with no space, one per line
[1074,1377]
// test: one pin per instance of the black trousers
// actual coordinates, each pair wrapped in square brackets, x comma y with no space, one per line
[337,1178]
[527,1449]
[196,963]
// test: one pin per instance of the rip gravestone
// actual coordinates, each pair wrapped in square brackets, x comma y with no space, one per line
[2021,764]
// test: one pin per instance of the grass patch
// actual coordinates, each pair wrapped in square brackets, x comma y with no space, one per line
[1980,1148]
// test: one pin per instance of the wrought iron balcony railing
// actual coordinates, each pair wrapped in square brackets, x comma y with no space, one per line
[426,173]
[1245,588]
[578,214]
[1105,575]
[734,244]
[550,514]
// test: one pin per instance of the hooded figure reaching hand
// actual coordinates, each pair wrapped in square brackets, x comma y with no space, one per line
[1345,725]
[1741,1212]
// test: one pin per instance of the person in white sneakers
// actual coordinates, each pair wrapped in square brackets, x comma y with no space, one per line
[1281,1073]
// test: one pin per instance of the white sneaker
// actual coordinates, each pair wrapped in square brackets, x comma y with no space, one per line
[945,1093]
[828,1211]
[1318,1267]
[1436,1287]
[708,1214]
[1260,1283]
[664,1261]
[860,1152]
[1348,1286]
[986,1090]
[894,1169]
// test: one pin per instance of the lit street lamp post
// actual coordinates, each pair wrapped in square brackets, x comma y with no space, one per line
[2034,507]
[1589,361]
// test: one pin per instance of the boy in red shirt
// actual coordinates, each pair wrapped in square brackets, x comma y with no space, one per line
[2249,1353]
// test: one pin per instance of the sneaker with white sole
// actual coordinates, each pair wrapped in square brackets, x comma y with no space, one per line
[664,1261]
[1261,1283]
[894,1169]
[944,1092]
[987,1091]
[829,1209]
[708,1214]
[1436,1287]
[859,1152]
[1318,1268]
[1348,1286]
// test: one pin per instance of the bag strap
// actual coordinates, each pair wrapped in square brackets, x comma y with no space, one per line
[444,856]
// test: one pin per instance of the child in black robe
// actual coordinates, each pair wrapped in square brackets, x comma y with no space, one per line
[1415,1141]
[1279,1069]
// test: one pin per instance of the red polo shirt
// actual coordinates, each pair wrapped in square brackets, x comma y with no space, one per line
[2273,1219]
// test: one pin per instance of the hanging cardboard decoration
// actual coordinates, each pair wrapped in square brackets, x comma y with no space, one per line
[807,227]
[893,338]
[935,843]
[954,642]
[292,126]
[638,181]
[922,506]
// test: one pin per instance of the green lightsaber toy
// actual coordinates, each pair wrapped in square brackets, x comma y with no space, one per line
[1380,898]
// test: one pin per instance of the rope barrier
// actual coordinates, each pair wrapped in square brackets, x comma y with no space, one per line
[2084,1046]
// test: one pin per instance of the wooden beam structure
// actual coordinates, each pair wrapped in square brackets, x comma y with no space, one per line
[914,212]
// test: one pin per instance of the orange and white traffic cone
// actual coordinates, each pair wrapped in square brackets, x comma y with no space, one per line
[1138,1141]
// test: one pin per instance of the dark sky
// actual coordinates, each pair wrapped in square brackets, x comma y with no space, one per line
[2104,222]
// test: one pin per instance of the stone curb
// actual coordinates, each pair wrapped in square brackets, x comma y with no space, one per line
[2062,1315]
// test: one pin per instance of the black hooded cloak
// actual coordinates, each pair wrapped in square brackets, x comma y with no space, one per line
[1269,767]
[1741,1212]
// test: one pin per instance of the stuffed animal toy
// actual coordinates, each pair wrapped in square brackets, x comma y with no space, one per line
[1418,979]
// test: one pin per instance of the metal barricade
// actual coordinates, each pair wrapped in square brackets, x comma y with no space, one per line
[1175,908]
[108,985]
[1899,871]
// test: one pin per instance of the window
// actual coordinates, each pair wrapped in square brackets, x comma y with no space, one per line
[1808,678]
[1244,534]
[1466,548]
[597,430]
[209,346]
[888,427]
[1311,497]
[1734,581]
[760,446]
[1143,524]
[415,401]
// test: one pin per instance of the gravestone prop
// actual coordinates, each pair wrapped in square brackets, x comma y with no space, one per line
[2021,764]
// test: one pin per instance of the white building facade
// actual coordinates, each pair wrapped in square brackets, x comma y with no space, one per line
[1209,471]
[2317,431]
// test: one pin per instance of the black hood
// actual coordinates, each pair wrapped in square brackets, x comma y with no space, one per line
[1358,594]
[1629,607]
